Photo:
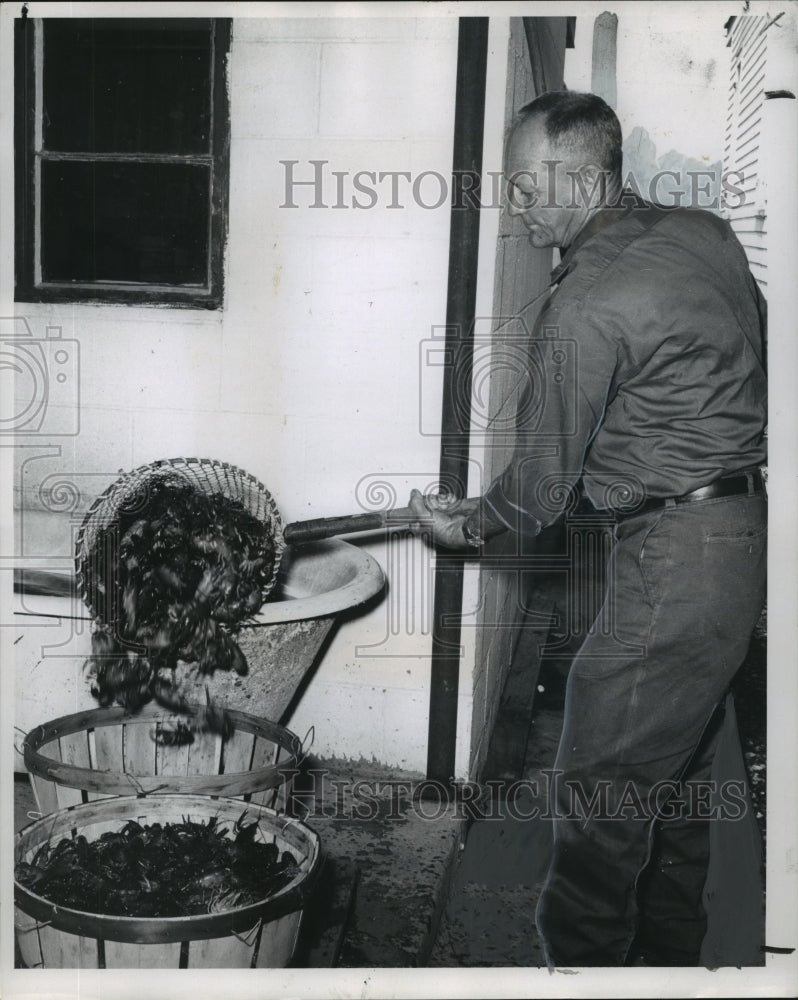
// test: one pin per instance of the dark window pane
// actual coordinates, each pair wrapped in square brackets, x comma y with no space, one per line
[139,222]
[127,86]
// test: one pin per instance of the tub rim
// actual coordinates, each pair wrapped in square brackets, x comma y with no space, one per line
[365,580]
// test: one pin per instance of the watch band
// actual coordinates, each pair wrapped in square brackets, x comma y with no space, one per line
[472,538]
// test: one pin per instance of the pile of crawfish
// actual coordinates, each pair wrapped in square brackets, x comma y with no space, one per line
[172,578]
[159,870]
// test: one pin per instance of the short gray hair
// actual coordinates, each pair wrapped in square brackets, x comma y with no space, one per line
[578,122]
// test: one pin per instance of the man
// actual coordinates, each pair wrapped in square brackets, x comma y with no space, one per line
[663,419]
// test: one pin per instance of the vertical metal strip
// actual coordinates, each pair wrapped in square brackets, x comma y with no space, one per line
[469,124]
[24,111]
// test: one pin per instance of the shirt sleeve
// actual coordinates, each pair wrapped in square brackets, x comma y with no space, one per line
[572,362]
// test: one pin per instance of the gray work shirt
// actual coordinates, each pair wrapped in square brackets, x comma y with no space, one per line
[647,372]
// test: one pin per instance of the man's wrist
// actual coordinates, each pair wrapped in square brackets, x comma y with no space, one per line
[472,534]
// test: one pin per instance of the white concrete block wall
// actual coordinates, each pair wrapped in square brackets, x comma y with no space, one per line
[309,377]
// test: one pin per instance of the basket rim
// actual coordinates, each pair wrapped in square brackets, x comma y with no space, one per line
[143,930]
[123,782]
[137,476]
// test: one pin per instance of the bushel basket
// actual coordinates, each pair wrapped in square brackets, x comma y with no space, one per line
[260,935]
[111,751]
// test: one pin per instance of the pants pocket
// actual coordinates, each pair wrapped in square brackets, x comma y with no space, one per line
[652,558]
[752,536]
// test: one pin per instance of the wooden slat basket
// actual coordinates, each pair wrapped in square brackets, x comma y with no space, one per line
[110,751]
[261,935]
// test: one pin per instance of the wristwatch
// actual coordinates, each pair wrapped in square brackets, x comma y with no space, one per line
[472,537]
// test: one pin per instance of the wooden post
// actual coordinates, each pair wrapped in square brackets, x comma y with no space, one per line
[605,35]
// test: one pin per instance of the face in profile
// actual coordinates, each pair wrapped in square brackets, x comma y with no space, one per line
[553,193]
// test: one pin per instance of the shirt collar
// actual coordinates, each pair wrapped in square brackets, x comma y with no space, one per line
[598,221]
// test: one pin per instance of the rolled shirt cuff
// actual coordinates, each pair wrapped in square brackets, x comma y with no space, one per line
[499,514]
[491,519]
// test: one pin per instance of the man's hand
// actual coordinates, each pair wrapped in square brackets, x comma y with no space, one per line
[442,516]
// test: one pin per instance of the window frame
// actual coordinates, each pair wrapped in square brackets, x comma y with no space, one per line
[28,52]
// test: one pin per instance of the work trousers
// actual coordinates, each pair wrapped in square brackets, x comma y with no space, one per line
[686,584]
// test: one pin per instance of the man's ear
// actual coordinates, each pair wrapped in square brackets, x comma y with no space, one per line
[591,185]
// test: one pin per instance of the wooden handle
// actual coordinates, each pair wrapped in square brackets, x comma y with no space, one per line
[43,583]
[328,527]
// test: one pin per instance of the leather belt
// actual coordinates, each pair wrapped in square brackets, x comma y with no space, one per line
[748,482]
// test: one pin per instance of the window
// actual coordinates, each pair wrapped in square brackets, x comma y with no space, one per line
[122,149]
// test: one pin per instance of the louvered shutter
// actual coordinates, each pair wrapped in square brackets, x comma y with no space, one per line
[742,157]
